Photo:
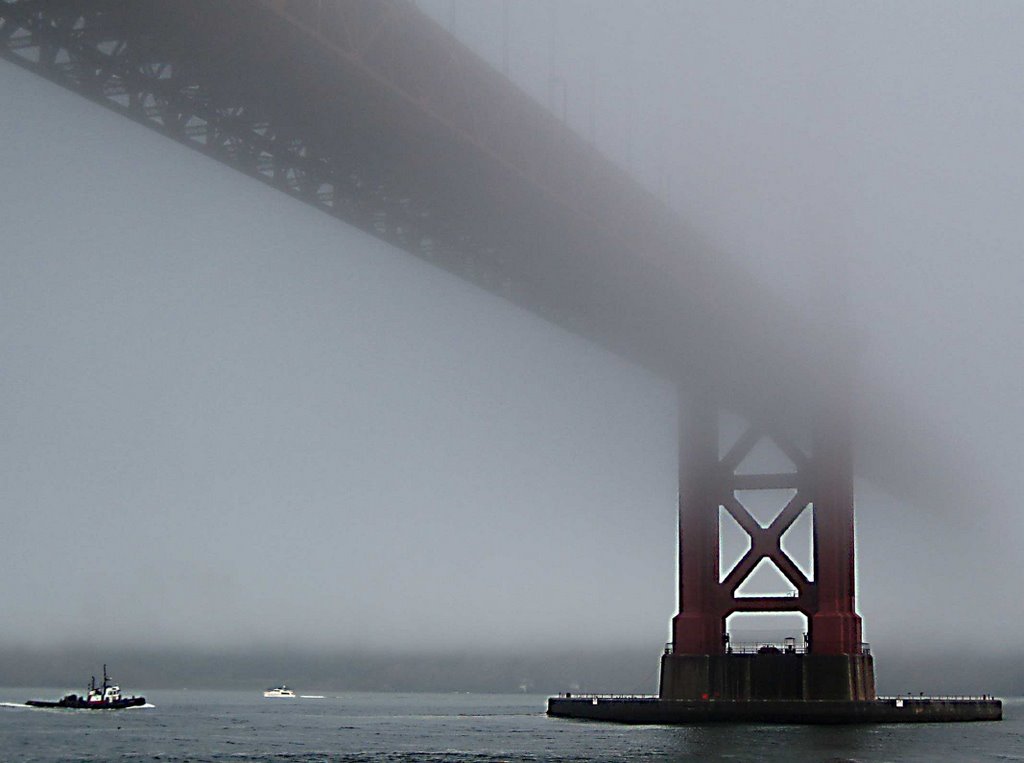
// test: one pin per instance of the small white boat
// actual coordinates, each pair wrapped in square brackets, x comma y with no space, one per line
[280,691]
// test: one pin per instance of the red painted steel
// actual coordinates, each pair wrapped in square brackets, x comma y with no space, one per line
[835,626]
[700,624]
[707,483]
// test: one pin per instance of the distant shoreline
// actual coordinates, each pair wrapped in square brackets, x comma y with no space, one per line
[525,671]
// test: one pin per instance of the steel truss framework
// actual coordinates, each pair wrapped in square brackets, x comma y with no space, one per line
[372,113]
[106,51]
[96,49]
[765,542]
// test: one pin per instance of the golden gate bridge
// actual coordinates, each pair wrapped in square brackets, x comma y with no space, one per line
[375,114]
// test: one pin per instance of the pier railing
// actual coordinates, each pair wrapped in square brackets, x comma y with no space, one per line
[592,696]
[898,701]
[786,646]
[907,698]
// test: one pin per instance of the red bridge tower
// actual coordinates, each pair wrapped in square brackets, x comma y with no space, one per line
[701,663]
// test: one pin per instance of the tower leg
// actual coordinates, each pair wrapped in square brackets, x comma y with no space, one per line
[699,626]
[835,628]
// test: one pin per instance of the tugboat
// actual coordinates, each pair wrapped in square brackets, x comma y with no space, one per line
[105,697]
[280,691]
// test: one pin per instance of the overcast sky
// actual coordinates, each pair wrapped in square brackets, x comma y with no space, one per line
[229,419]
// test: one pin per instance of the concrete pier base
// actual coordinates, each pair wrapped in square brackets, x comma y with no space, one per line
[772,676]
[652,710]
[771,687]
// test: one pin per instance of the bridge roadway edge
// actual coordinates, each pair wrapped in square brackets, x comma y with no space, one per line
[657,711]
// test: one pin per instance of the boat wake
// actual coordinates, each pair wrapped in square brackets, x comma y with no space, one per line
[13,704]
[311,696]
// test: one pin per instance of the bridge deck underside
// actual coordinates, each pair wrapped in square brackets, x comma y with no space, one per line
[376,115]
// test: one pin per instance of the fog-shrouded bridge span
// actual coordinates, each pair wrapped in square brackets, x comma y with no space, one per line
[375,114]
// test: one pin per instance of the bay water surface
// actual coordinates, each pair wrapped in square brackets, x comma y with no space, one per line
[234,726]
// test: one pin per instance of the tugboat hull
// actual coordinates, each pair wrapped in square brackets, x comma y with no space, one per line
[80,703]
[107,696]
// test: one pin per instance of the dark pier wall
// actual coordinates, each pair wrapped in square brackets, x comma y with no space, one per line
[781,676]
[661,711]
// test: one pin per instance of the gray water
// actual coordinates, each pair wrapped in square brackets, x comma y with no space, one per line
[234,726]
